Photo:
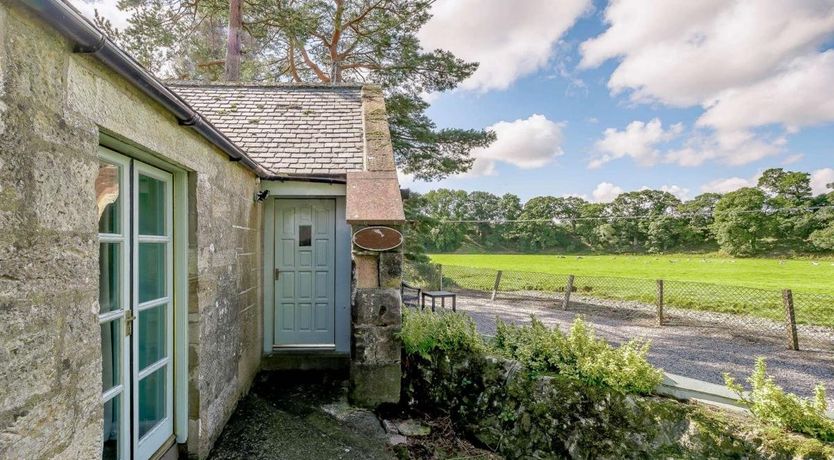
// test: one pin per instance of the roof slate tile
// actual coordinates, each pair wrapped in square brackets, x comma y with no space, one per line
[293,129]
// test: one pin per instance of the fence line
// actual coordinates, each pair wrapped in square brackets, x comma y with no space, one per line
[803,319]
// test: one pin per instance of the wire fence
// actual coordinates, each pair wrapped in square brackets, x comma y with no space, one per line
[798,319]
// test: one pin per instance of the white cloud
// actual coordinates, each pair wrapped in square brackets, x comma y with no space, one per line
[639,140]
[732,148]
[820,178]
[748,63]
[796,97]
[681,193]
[509,39]
[605,192]
[528,143]
[106,9]
[791,159]
[727,185]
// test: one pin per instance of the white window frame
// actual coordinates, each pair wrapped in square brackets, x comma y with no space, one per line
[181,230]
[123,388]
[158,435]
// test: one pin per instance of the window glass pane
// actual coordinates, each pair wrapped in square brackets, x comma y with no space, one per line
[151,335]
[151,206]
[112,428]
[151,400]
[111,349]
[110,277]
[151,271]
[305,233]
[108,198]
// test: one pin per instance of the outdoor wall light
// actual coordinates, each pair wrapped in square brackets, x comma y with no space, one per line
[260,196]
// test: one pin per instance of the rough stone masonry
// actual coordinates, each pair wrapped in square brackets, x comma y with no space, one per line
[376,320]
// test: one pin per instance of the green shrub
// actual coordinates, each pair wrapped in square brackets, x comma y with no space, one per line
[580,355]
[771,404]
[425,332]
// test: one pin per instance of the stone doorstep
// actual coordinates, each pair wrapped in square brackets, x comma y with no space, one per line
[305,360]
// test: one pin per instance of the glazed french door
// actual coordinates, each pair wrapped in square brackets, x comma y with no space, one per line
[135,209]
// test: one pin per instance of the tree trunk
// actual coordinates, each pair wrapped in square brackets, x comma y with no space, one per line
[232,69]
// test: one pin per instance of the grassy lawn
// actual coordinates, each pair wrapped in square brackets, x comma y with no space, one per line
[745,286]
[800,275]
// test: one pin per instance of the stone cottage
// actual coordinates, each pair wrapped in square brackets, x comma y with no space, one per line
[161,242]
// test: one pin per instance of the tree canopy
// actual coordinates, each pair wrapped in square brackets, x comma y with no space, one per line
[780,214]
[325,41]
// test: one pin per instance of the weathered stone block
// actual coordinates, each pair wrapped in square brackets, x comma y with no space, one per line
[390,269]
[372,385]
[376,344]
[378,307]
[367,273]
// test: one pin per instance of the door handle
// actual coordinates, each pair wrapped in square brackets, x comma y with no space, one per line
[129,318]
[277,273]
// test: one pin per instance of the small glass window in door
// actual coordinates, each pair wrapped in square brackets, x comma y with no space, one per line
[305,236]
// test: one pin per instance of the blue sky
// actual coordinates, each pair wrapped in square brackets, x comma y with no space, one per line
[595,97]
[581,99]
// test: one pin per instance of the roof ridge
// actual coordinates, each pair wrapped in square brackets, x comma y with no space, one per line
[256,84]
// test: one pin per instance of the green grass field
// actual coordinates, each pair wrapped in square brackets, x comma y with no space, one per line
[800,275]
[745,286]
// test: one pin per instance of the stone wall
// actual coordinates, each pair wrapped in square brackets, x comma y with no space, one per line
[376,320]
[53,107]
[520,415]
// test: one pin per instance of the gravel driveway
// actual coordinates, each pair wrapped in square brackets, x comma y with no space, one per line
[702,349]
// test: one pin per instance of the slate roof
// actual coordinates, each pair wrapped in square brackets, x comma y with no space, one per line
[288,129]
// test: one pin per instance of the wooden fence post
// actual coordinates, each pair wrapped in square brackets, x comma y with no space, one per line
[660,302]
[568,290]
[440,272]
[497,283]
[790,320]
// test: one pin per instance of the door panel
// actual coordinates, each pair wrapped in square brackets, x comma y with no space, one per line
[305,281]
[135,204]
[113,201]
[152,329]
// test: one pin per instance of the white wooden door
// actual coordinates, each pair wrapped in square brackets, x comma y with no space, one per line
[305,253]
[135,206]
[153,338]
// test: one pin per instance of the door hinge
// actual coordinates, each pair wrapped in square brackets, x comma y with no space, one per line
[277,273]
[129,317]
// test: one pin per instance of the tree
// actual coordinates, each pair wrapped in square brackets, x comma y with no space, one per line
[741,221]
[633,212]
[591,221]
[418,225]
[445,205]
[485,208]
[664,233]
[326,41]
[788,192]
[790,187]
[544,229]
[698,212]
[823,239]
[510,211]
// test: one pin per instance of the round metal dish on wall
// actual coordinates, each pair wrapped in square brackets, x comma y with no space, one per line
[378,238]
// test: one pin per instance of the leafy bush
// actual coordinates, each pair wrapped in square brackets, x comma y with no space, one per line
[580,355]
[769,402]
[425,332]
